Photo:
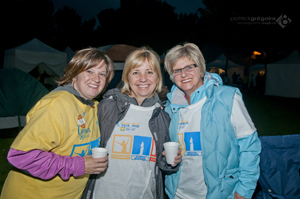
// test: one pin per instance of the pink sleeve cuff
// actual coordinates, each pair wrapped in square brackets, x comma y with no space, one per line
[80,166]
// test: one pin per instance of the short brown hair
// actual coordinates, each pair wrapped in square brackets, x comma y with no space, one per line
[84,60]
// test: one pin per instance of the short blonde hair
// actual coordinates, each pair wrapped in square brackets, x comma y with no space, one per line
[84,60]
[135,60]
[187,50]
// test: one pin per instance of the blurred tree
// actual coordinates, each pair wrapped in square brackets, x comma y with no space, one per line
[27,19]
[109,30]
[88,34]
[148,22]
[23,20]
[36,20]
[68,27]
[71,31]
[187,28]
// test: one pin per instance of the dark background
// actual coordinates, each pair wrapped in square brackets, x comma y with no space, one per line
[233,27]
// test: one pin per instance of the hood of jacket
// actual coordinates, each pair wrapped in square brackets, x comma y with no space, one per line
[177,97]
[116,94]
[69,88]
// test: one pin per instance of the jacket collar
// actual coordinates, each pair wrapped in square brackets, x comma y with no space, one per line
[177,98]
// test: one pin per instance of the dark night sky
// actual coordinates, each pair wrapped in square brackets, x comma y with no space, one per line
[88,9]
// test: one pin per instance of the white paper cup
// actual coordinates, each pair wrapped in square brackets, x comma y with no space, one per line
[171,149]
[99,152]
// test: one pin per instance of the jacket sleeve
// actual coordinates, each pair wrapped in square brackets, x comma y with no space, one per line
[173,124]
[46,165]
[108,116]
[250,148]
[164,123]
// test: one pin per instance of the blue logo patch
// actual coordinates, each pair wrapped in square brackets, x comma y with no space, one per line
[84,149]
[192,143]
[141,148]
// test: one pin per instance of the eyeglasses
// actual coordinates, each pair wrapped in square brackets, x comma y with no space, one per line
[188,68]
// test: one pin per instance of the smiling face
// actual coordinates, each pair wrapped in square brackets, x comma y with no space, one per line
[90,83]
[142,81]
[188,82]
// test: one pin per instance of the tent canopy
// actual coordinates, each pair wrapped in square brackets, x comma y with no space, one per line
[118,53]
[283,77]
[19,92]
[105,48]
[219,64]
[35,53]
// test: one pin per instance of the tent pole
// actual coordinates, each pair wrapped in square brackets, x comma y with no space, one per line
[19,122]
[226,65]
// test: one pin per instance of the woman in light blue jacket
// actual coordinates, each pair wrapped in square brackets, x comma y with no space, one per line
[217,137]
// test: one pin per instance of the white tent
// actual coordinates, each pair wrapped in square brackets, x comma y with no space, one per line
[105,48]
[35,53]
[218,66]
[283,77]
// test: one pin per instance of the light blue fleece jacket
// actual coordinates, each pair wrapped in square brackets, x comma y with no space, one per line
[230,165]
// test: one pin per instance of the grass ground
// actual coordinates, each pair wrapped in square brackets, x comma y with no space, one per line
[271,116]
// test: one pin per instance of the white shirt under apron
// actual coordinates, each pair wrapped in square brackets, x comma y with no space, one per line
[191,183]
[132,158]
